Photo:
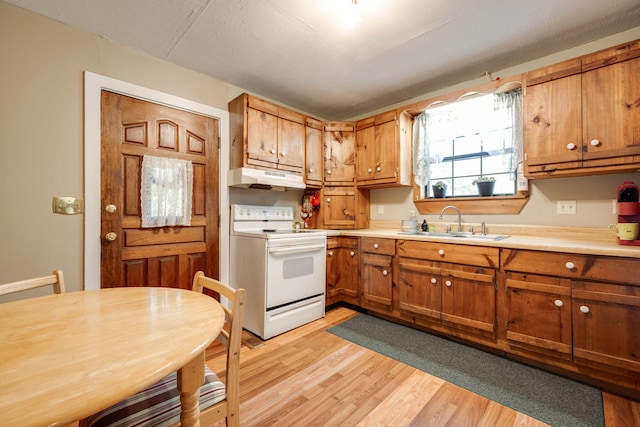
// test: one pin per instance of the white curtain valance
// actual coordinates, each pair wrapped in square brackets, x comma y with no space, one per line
[166,191]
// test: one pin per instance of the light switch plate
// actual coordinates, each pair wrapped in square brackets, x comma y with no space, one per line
[68,205]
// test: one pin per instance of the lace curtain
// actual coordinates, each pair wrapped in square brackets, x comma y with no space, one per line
[166,191]
[436,125]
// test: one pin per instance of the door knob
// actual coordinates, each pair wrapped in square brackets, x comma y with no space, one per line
[110,208]
[110,236]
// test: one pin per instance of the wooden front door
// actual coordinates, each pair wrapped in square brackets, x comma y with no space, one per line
[165,256]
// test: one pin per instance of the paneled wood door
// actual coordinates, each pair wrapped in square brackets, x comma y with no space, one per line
[166,256]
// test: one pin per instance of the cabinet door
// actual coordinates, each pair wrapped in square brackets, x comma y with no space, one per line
[419,287]
[539,313]
[376,281]
[611,112]
[606,321]
[553,125]
[313,153]
[339,207]
[469,298]
[342,270]
[339,151]
[262,138]
[290,145]
[365,153]
[386,150]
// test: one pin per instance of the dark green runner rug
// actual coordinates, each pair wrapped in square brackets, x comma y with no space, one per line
[547,397]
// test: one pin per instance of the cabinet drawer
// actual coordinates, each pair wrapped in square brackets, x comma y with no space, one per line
[378,246]
[610,269]
[459,254]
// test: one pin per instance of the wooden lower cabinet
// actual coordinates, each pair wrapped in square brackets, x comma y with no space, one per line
[538,310]
[376,274]
[606,325]
[342,270]
[458,296]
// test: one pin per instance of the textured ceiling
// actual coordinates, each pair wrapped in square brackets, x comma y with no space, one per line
[304,54]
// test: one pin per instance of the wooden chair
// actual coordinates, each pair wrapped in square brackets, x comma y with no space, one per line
[56,280]
[159,404]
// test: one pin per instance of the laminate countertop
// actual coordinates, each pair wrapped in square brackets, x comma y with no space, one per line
[590,241]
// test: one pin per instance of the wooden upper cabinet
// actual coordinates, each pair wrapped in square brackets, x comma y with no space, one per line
[265,135]
[552,124]
[339,153]
[580,116]
[383,150]
[314,171]
[611,113]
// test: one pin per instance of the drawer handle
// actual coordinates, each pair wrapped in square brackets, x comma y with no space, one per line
[369,170]
[330,253]
[434,280]
[385,272]
[584,309]
[571,146]
[558,303]
[441,252]
[595,142]
[378,169]
[570,265]
[352,253]
[448,283]
[376,246]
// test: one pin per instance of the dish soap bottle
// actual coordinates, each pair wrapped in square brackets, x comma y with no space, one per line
[424,226]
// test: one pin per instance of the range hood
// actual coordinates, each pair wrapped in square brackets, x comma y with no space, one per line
[264,179]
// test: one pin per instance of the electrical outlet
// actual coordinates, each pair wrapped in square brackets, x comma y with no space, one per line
[566,207]
[380,209]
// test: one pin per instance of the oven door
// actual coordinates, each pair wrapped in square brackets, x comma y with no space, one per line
[295,270]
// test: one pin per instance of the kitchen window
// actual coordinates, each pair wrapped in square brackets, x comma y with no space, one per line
[459,142]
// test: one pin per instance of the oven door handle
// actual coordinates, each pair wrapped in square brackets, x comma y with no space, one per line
[295,249]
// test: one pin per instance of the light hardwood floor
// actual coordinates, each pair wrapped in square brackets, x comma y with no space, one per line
[309,377]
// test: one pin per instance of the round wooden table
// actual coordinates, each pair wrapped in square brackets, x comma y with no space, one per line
[64,357]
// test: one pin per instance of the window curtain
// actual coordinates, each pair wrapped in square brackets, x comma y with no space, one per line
[166,191]
[510,104]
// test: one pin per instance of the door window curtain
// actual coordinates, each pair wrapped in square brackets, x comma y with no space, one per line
[166,191]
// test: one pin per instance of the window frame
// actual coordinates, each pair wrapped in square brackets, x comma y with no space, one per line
[495,205]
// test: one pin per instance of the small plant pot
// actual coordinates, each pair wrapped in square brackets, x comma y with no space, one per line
[438,193]
[485,188]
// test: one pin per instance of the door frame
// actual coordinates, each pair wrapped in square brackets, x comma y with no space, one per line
[93,85]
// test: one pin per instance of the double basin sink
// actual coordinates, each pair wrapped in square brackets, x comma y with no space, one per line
[455,234]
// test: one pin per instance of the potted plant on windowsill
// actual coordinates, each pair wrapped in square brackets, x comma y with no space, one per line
[439,189]
[485,185]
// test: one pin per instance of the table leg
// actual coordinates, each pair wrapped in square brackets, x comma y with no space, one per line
[190,379]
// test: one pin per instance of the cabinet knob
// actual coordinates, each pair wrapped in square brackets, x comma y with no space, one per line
[376,246]
[570,265]
[584,309]
[448,283]
[571,146]
[352,253]
[441,252]
[434,280]
[273,151]
[558,303]
[385,272]
[595,142]
[329,172]
[378,169]
[310,170]
[283,154]
[369,170]
[330,253]
[328,199]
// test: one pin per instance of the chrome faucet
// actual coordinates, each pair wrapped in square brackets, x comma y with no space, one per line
[459,215]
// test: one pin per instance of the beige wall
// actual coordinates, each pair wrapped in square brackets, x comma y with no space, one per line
[41,133]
